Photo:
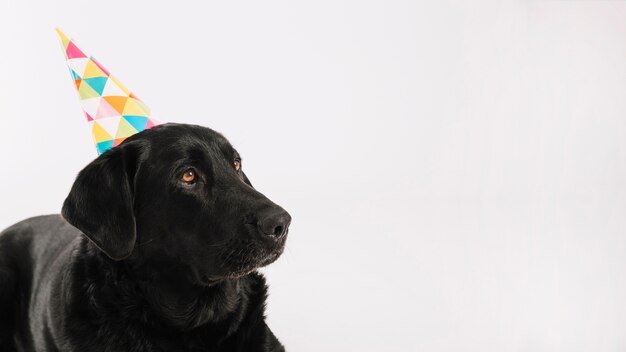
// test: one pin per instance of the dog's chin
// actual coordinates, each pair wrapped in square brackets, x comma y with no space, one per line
[238,267]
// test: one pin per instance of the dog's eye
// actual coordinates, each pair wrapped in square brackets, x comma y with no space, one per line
[189,176]
[237,164]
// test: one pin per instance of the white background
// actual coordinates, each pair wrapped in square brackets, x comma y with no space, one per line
[455,170]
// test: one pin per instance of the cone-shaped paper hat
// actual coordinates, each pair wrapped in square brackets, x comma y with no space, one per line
[112,111]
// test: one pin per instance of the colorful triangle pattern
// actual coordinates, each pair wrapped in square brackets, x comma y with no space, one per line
[113,112]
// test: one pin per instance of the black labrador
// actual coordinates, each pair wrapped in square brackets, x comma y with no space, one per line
[156,249]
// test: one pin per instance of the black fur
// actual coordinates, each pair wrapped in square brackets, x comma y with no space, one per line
[149,262]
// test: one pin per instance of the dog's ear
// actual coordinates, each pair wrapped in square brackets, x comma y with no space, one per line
[100,203]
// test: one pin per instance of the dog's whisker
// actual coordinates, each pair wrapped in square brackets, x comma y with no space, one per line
[145,243]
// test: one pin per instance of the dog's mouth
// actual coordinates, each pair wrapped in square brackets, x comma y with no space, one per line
[242,257]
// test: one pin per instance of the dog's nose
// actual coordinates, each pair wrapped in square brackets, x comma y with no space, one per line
[275,223]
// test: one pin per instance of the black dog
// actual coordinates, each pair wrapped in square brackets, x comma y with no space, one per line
[168,234]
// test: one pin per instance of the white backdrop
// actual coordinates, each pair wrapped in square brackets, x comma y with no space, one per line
[455,169]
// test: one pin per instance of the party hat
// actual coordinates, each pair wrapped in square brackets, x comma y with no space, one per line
[112,111]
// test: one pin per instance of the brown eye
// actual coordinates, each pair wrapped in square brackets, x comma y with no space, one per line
[189,176]
[237,164]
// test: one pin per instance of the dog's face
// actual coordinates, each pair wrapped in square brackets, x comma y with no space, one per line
[177,195]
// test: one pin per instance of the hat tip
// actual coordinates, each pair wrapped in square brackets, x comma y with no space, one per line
[60,33]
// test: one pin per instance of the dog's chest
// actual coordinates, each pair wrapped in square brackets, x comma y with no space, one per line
[125,337]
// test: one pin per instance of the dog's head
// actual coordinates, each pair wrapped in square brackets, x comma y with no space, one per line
[177,194]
